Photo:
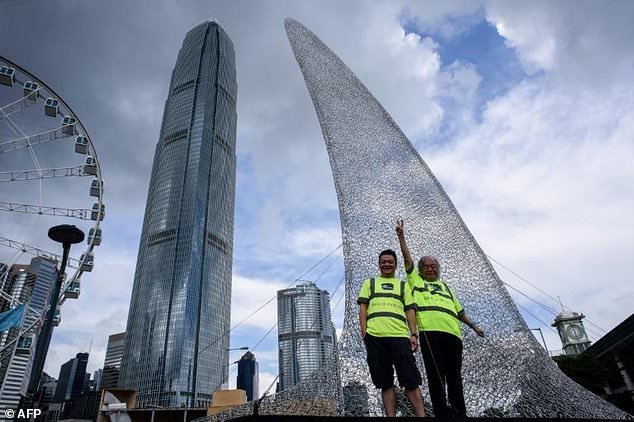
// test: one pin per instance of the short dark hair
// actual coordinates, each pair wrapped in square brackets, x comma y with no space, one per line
[388,252]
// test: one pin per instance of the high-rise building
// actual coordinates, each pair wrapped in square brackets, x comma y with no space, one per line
[178,325]
[97,375]
[248,376]
[306,334]
[112,362]
[71,381]
[30,284]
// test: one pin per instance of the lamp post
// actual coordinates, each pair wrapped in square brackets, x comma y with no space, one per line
[192,395]
[67,235]
[226,380]
[543,340]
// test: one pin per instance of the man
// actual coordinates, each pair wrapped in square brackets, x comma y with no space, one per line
[438,318]
[388,325]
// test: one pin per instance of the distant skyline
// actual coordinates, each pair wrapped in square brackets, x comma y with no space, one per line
[522,110]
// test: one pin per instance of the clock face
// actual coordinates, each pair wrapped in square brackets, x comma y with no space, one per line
[575,332]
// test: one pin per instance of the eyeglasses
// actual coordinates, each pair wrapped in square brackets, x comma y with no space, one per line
[431,267]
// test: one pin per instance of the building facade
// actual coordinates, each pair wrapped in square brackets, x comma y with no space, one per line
[71,381]
[112,362]
[178,324]
[306,334]
[30,284]
[248,376]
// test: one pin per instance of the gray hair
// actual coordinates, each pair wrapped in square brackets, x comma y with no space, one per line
[433,258]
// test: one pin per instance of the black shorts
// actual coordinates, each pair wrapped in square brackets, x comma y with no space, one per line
[387,353]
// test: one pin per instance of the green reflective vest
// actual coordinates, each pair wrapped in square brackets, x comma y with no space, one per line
[437,308]
[387,299]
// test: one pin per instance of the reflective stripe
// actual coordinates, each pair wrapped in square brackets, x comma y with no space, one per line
[440,293]
[387,314]
[420,289]
[392,295]
[400,296]
[439,309]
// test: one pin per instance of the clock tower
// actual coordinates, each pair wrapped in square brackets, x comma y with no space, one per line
[571,332]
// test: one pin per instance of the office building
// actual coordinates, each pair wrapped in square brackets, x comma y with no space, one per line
[112,362]
[178,324]
[306,334]
[71,382]
[248,376]
[30,284]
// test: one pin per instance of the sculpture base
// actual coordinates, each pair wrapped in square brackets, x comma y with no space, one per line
[298,418]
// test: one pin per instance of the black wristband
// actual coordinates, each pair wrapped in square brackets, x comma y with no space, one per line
[414,334]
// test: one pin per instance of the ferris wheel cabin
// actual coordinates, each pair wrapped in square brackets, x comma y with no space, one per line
[7,75]
[31,90]
[51,107]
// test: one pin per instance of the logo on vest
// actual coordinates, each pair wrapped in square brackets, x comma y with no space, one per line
[387,286]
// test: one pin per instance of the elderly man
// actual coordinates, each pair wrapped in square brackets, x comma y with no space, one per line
[438,317]
[387,315]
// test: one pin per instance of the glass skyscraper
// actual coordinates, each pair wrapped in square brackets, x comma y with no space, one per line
[306,334]
[178,324]
[248,376]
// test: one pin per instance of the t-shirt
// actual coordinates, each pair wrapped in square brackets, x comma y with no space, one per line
[387,306]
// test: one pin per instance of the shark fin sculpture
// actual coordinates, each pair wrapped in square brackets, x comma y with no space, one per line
[380,177]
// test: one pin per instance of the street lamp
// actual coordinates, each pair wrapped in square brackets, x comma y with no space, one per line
[192,396]
[543,340]
[67,235]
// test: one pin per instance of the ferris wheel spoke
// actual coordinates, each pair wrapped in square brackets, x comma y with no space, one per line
[20,104]
[39,138]
[80,213]
[20,175]
[32,250]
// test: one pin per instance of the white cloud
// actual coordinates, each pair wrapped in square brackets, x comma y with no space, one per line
[542,177]
[249,294]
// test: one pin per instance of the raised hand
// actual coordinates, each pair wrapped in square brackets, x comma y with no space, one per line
[400,228]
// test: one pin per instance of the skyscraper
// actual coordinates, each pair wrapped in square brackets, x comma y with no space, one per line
[177,333]
[306,334]
[30,284]
[112,362]
[71,380]
[248,376]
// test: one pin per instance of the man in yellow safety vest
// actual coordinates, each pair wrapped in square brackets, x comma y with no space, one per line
[387,314]
[438,316]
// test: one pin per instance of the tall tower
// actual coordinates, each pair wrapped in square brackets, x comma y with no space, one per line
[572,333]
[112,361]
[72,374]
[30,284]
[178,323]
[306,334]
[248,376]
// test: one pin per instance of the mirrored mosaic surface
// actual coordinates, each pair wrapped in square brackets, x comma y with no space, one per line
[379,178]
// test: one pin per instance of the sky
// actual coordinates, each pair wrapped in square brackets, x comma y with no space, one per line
[524,111]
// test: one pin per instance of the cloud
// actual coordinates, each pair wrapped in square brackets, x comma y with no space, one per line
[244,302]
[540,172]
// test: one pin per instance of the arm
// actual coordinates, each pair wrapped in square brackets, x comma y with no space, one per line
[363,318]
[407,256]
[464,318]
[411,323]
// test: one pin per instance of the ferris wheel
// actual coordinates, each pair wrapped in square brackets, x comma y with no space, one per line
[49,174]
